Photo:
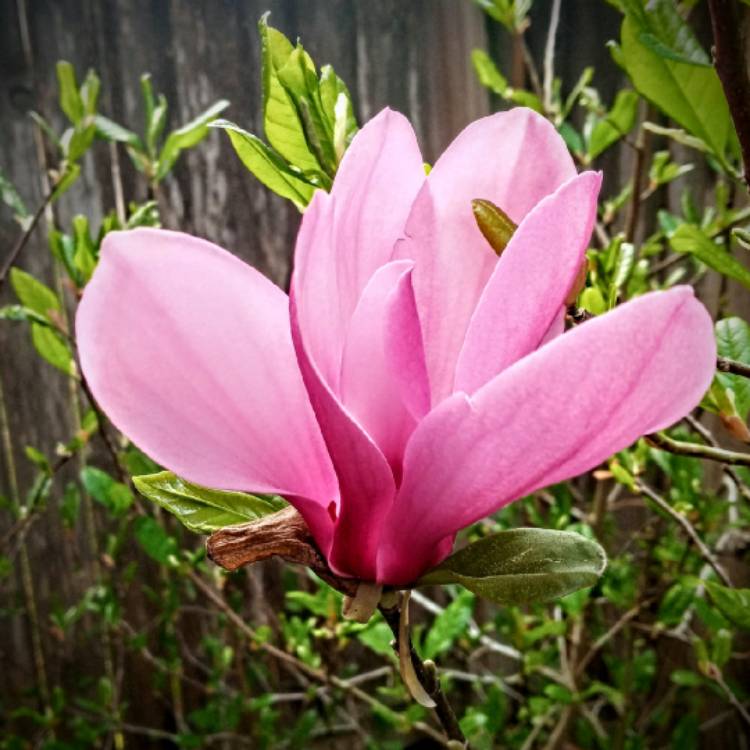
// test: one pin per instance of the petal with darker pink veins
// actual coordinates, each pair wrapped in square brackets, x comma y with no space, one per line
[530,282]
[550,416]
[513,159]
[188,350]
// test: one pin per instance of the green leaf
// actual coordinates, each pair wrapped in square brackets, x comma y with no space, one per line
[70,98]
[733,341]
[89,92]
[111,131]
[201,509]
[591,299]
[299,78]
[21,313]
[187,136]
[281,120]
[733,603]
[84,257]
[113,495]
[449,625]
[618,122]
[338,108]
[488,73]
[691,239]
[13,200]
[32,293]
[68,177]
[521,566]
[667,66]
[268,165]
[154,540]
[52,347]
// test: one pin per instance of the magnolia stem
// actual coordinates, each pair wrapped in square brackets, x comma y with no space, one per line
[427,676]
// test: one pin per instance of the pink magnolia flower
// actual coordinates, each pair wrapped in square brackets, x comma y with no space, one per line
[412,383]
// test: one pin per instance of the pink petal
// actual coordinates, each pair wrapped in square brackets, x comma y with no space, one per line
[366,483]
[528,287]
[552,415]
[381,371]
[513,159]
[188,351]
[346,236]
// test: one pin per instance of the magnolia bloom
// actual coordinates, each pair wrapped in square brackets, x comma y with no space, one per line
[412,382]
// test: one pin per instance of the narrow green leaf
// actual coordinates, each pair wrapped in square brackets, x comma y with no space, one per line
[52,347]
[299,78]
[268,165]
[691,239]
[201,509]
[89,93]
[68,177]
[733,603]
[13,200]
[733,342]
[84,257]
[187,136]
[488,73]
[281,120]
[70,98]
[521,566]
[338,108]
[155,125]
[46,128]
[618,122]
[81,139]
[154,540]
[21,313]
[32,293]
[111,131]
[113,495]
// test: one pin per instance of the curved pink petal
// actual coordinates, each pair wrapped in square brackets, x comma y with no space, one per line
[366,483]
[513,159]
[187,349]
[381,357]
[530,282]
[346,236]
[550,416]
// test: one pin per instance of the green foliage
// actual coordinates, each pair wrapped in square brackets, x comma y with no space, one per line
[308,121]
[733,603]
[204,510]
[520,566]
[692,239]
[667,65]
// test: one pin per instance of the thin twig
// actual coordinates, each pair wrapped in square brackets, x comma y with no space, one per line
[731,65]
[549,55]
[708,556]
[429,679]
[708,436]
[721,682]
[724,364]
[697,450]
[23,239]
[602,641]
